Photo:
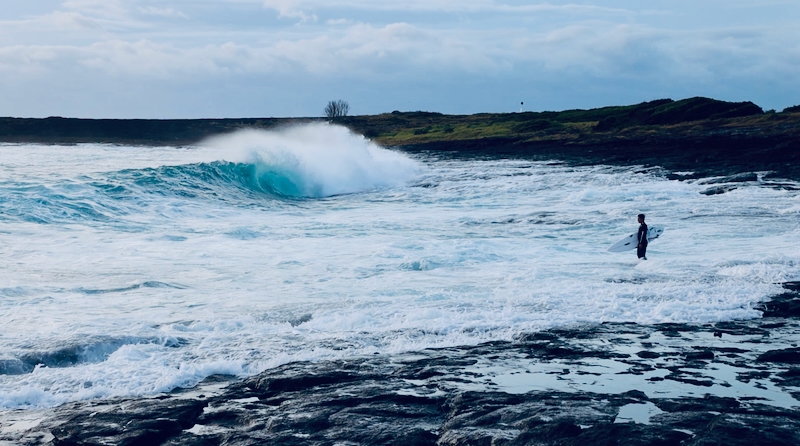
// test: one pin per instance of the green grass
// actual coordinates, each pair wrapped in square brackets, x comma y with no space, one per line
[399,128]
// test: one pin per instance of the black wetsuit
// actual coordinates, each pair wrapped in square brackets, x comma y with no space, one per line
[641,248]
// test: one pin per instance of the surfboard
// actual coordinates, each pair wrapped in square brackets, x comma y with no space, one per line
[629,242]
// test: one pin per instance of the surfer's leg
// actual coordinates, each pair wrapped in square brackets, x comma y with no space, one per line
[641,250]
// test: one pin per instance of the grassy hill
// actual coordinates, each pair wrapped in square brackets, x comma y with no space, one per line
[398,128]
[699,134]
[405,128]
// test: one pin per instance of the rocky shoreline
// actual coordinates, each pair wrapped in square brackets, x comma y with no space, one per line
[700,156]
[731,383]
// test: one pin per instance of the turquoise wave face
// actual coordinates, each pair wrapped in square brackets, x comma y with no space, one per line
[130,192]
[217,180]
[248,168]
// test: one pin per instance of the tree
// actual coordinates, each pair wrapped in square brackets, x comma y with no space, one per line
[337,109]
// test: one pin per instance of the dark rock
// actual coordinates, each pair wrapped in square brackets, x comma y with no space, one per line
[792,286]
[635,394]
[704,354]
[783,305]
[739,429]
[548,433]
[748,376]
[707,403]
[451,396]
[790,355]
[144,422]
[790,377]
[737,178]
[716,190]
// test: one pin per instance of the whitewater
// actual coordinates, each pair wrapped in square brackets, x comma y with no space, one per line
[133,270]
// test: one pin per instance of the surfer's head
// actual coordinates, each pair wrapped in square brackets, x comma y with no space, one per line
[641,218]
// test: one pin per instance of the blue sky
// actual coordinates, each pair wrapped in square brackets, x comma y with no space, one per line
[282,58]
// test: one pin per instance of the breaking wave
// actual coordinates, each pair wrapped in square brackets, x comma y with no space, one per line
[313,160]
[307,161]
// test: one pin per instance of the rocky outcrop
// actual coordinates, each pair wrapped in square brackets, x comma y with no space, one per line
[732,383]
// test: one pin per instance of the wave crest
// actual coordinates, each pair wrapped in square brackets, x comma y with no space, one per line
[314,160]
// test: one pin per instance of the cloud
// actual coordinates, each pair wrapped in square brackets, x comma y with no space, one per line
[290,9]
[447,6]
[337,22]
[304,10]
[24,61]
[416,44]
[360,51]
[601,51]
[162,12]
[108,9]
[67,21]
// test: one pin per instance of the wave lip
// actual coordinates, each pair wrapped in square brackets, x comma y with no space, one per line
[315,160]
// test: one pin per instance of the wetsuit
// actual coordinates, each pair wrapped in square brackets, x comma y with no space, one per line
[641,248]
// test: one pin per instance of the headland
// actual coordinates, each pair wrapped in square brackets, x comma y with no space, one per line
[704,136]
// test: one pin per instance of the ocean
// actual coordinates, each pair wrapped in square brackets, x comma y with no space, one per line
[133,270]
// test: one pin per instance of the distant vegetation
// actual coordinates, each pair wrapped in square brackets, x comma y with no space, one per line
[399,128]
[337,109]
[669,112]
[646,120]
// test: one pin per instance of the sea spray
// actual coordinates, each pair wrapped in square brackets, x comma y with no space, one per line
[315,160]
[143,269]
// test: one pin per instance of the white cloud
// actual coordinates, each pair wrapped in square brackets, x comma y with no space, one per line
[361,51]
[162,12]
[108,9]
[338,22]
[305,10]
[401,49]
[67,21]
[415,42]
[27,60]
[448,6]
[603,51]
[290,9]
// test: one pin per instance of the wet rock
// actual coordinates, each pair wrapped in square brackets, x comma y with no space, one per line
[790,377]
[737,178]
[716,190]
[143,422]
[700,355]
[577,386]
[783,305]
[648,354]
[790,355]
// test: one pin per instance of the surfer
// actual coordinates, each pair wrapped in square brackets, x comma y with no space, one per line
[642,236]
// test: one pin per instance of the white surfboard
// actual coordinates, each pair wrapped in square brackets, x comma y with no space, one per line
[630,242]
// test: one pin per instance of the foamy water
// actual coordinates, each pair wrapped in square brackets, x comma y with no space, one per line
[135,270]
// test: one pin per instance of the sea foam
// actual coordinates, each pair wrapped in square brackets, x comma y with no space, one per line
[147,269]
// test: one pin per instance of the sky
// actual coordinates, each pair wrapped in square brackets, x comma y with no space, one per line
[288,58]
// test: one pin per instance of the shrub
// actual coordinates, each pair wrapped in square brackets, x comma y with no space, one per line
[535,125]
[336,109]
